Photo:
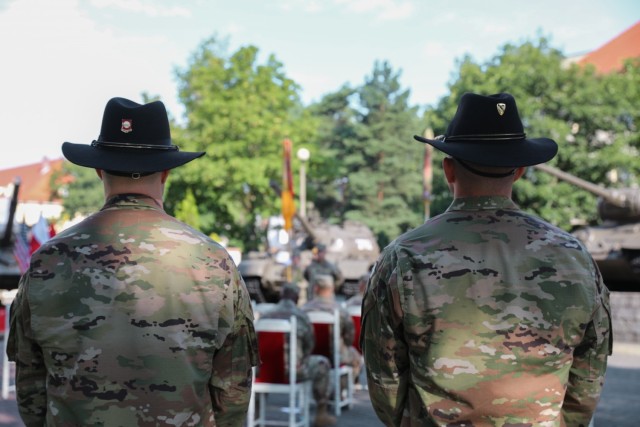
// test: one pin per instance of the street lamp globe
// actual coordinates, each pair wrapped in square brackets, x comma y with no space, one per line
[303,154]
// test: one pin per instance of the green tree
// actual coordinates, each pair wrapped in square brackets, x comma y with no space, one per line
[594,119]
[187,210]
[239,111]
[80,188]
[337,122]
[379,180]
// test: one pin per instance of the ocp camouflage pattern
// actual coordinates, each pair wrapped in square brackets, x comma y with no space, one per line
[132,318]
[324,267]
[486,316]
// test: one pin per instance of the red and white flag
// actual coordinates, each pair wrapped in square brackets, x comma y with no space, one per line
[40,233]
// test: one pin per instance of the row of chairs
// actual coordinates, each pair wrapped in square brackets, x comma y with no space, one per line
[270,376]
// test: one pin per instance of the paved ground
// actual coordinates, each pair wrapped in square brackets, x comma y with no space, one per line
[618,407]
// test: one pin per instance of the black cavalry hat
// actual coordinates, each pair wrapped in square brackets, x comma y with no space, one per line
[487,130]
[134,138]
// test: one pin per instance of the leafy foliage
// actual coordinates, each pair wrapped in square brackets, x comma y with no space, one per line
[364,162]
[238,111]
[379,175]
[81,191]
[187,210]
[591,116]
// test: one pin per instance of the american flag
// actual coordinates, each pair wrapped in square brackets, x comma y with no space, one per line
[21,249]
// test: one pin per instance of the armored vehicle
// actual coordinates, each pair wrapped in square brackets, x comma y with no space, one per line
[9,270]
[351,246]
[615,244]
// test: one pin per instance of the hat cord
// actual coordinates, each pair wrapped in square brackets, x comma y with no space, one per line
[119,145]
[486,137]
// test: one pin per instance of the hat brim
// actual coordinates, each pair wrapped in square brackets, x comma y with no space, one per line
[525,152]
[129,161]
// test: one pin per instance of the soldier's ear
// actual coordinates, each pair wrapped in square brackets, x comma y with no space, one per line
[518,173]
[99,172]
[449,169]
[164,176]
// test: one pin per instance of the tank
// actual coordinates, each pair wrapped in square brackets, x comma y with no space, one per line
[615,244]
[9,269]
[351,246]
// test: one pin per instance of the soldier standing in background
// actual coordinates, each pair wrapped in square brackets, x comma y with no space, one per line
[314,367]
[486,315]
[321,265]
[132,317]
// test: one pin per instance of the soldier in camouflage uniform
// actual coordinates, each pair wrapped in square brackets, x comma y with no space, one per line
[315,367]
[321,265]
[486,315]
[132,318]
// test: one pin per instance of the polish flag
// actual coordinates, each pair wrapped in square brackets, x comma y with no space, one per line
[40,233]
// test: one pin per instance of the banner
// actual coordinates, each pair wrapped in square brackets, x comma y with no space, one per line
[40,233]
[288,205]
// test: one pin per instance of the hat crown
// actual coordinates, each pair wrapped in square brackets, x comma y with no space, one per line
[134,139]
[487,130]
[480,115]
[127,122]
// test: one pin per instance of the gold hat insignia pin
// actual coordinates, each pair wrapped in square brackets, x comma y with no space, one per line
[501,108]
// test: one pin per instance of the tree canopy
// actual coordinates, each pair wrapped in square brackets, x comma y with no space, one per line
[592,117]
[380,164]
[365,164]
[238,111]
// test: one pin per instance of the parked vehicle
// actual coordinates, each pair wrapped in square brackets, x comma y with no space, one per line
[615,244]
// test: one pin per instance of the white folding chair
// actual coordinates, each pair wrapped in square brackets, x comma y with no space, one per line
[6,298]
[326,327]
[272,375]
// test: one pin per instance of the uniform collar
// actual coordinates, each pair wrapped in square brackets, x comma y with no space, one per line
[132,200]
[481,203]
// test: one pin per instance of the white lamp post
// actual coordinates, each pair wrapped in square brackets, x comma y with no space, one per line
[303,155]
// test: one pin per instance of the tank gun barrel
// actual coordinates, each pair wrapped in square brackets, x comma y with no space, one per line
[6,237]
[623,199]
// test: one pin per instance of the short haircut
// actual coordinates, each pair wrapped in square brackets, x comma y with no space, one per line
[323,281]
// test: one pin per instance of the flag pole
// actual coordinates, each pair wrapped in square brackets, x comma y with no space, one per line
[288,205]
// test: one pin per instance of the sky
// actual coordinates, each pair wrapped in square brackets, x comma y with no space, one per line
[62,60]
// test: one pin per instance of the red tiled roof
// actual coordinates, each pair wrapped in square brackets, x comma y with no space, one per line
[610,57]
[35,180]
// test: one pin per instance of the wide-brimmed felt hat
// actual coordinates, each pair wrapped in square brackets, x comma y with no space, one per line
[487,130]
[134,138]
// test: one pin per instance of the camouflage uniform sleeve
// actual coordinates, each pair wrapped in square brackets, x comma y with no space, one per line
[385,353]
[231,379]
[586,377]
[31,393]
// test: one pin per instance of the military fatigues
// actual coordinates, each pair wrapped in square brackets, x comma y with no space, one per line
[348,353]
[324,267]
[314,367]
[485,316]
[131,318]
